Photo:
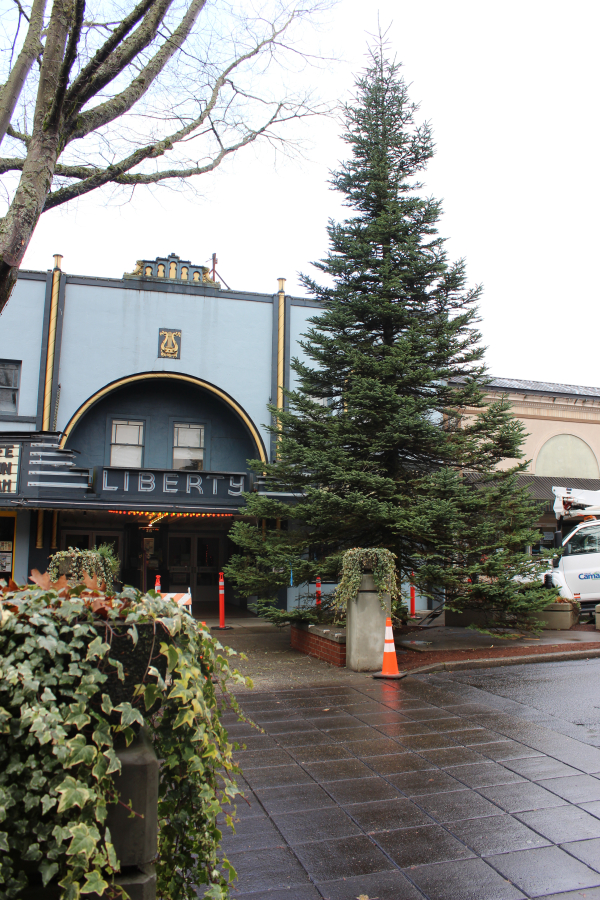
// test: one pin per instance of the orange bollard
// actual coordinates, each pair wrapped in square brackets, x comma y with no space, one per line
[157,584]
[389,668]
[318,593]
[412,598]
[221,626]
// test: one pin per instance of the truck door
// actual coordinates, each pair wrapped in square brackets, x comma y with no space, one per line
[581,562]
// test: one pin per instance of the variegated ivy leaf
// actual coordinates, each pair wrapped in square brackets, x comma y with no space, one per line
[73,793]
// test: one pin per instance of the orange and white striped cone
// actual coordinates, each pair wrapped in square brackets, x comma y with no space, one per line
[389,668]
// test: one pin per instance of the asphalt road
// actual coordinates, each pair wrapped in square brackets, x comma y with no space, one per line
[562,696]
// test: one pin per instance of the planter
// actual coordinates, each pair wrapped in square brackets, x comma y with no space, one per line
[555,617]
[365,628]
[321,641]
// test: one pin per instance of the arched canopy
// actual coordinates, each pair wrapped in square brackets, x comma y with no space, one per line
[145,379]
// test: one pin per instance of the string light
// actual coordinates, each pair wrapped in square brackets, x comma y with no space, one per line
[171,515]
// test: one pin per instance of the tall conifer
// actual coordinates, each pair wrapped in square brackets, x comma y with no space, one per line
[372,445]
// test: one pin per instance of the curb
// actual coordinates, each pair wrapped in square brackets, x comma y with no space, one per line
[458,664]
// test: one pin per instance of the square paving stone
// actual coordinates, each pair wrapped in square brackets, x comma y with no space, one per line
[520,797]
[451,725]
[298,892]
[296,797]
[359,708]
[327,721]
[446,807]
[501,750]
[538,768]
[287,726]
[343,735]
[432,741]
[256,742]
[394,763]
[255,833]
[587,851]
[274,715]
[470,737]
[485,773]
[260,759]
[382,885]
[421,715]
[267,869]
[388,815]
[402,729]
[338,769]
[593,808]
[539,871]
[374,747]
[431,781]
[453,756]
[361,790]
[245,807]
[469,879]
[302,827]
[387,717]
[584,894]
[424,844]
[574,788]
[566,823]
[495,834]
[303,739]
[331,859]
[277,776]
[320,753]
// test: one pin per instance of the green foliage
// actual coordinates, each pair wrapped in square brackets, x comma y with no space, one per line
[380,562]
[74,564]
[59,728]
[390,406]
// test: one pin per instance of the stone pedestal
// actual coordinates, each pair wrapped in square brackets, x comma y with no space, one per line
[598,617]
[365,628]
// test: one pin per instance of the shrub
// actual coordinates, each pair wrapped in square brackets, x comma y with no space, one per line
[58,727]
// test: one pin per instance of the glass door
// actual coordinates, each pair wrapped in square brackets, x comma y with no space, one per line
[180,563]
[208,558]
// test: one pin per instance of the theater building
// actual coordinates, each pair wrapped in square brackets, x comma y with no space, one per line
[129,409]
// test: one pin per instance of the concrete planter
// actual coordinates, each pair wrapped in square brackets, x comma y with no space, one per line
[555,617]
[321,641]
[365,628]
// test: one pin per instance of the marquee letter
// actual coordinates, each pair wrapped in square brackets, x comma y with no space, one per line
[126,481]
[146,481]
[105,485]
[170,484]
[216,478]
[194,481]
[237,484]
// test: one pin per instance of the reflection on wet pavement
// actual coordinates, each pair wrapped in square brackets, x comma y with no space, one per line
[427,788]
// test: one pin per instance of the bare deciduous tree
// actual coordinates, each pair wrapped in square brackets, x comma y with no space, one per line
[101,93]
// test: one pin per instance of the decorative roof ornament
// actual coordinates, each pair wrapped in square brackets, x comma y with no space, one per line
[171,268]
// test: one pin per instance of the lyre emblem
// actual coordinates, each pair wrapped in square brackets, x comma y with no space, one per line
[169,343]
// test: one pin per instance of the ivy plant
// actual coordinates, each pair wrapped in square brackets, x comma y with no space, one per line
[59,728]
[100,563]
[379,561]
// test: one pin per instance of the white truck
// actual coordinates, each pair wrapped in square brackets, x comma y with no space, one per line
[577,571]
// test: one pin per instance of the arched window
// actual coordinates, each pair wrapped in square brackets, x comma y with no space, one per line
[161,271]
[184,273]
[148,270]
[173,270]
[567,456]
[196,276]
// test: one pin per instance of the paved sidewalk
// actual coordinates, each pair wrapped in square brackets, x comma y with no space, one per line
[365,789]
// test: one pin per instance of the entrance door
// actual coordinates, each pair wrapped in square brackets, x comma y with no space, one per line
[581,563]
[181,561]
[208,559]
[194,562]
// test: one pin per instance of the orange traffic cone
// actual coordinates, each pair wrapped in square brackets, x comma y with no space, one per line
[389,668]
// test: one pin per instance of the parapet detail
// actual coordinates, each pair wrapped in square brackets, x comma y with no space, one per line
[171,268]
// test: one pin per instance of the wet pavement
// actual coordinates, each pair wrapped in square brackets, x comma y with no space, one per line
[432,787]
[445,638]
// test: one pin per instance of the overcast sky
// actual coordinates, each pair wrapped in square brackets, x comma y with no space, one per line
[511,91]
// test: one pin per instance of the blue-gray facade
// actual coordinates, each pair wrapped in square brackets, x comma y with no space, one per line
[139,402]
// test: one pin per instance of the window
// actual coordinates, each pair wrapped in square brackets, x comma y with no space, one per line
[9,387]
[126,443]
[188,447]
[566,456]
[585,541]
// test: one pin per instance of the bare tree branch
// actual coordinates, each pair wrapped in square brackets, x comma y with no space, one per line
[67,65]
[32,47]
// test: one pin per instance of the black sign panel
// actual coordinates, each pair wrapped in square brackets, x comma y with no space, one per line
[170,485]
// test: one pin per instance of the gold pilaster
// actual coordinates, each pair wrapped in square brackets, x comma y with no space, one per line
[46,418]
[39,539]
[53,542]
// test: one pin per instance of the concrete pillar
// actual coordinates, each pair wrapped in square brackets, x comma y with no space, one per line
[598,617]
[365,628]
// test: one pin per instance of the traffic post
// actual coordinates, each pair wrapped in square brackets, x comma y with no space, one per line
[318,593]
[221,626]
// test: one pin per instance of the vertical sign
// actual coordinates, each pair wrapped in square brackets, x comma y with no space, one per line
[9,468]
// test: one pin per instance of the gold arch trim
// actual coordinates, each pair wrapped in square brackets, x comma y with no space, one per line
[172,376]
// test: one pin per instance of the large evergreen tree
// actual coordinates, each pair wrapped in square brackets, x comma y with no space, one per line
[373,444]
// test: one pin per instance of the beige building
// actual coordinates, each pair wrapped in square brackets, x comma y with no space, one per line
[562,423]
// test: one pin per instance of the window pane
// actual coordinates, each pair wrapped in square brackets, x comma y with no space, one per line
[110,539]
[128,433]
[586,541]
[189,436]
[9,375]
[180,551]
[126,456]
[77,541]
[8,401]
[187,458]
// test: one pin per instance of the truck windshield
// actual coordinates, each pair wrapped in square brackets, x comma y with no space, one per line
[585,541]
